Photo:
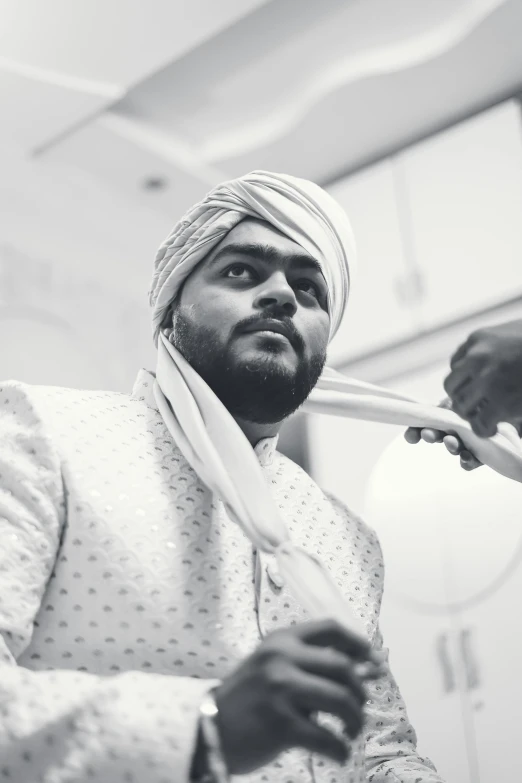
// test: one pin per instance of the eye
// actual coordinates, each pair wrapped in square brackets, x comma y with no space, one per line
[240,272]
[307,287]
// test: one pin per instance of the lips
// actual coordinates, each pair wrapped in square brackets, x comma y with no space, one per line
[276,327]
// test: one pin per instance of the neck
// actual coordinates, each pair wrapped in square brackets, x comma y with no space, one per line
[256,432]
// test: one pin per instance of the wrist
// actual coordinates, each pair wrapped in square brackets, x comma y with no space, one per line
[199,770]
[208,764]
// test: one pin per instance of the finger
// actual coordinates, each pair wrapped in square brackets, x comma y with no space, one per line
[510,432]
[316,694]
[457,385]
[460,353]
[485,429]
[480,415]
[432,436]
[481,424]
[453,444]
[468,461]
[412,435]
[333,666]
[368,671]
[330,633]
[307,734]
[475,401]
[484,405]
[468,351]
[466,374]
[445,403]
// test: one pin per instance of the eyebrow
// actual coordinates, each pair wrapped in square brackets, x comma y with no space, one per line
[267,254]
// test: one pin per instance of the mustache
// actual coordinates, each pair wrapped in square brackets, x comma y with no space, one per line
[253,321]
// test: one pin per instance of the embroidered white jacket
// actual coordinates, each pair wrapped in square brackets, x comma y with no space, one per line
[126,592]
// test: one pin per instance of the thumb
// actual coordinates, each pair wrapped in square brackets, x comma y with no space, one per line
[316,739]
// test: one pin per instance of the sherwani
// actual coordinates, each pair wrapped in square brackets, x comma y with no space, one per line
[126,593]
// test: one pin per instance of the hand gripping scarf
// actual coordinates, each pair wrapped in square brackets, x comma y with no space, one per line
[208,436]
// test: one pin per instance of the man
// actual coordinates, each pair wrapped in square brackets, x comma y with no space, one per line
[145,637]
[484,387]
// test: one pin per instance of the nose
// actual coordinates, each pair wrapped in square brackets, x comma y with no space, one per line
[277,292]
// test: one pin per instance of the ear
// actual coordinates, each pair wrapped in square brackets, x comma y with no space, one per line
[168,320]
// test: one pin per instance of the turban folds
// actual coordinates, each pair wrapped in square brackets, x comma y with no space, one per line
[301,210]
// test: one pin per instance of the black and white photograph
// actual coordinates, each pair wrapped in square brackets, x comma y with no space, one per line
[260,391]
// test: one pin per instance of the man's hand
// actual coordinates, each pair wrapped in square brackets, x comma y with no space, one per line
[485,382]
[267,705]
[453,444]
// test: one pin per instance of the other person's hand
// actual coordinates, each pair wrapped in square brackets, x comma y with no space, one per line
[485,382]
[453,444]
[268,704]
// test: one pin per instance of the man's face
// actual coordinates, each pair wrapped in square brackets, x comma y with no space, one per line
[252,320]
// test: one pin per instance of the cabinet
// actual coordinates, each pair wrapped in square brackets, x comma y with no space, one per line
[422,652]
[485,557]
[439,232]
[378,312]
[461,193]
[452,543]
[418,628]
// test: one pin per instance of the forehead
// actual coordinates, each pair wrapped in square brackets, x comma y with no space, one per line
[253,231]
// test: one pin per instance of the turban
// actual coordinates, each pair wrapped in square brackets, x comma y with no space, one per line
[204,430]
[301,210]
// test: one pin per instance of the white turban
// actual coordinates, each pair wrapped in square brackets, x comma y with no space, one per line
[301,210]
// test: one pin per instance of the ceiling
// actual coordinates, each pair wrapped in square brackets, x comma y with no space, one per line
[119,115]
[63,63]
[333,85]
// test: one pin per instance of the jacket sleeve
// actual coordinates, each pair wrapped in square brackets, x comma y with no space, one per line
[61,726]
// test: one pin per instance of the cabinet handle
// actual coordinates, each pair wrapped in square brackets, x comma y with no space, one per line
[418,284]
[445,663]
[470,660]
[410,289]
[402,288]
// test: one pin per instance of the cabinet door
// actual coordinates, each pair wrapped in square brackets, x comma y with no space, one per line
[491,641]
[418,628]
[486,550]
[463,193]
[427,510]
[378,311]
[424,661]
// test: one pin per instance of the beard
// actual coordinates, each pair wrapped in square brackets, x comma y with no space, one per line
[260,390]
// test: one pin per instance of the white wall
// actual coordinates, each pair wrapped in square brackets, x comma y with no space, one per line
[75,265]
